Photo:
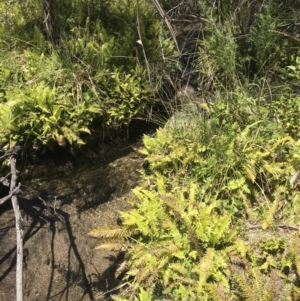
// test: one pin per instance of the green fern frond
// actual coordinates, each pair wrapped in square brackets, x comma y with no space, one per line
[258,281]
[250,173]
[217,292]
[243,283]
[108,232]
[284,140]
[205,268]
[295,250]
[163,263]
[203,225]
[114,246]
[144,273]
[235,184]
[84,130]
[220,227]
[178,268]
[270,214]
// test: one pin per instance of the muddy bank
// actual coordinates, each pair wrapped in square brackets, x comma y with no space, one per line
[61,202]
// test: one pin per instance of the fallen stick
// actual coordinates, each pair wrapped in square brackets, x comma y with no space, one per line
[19,228]
[14,192]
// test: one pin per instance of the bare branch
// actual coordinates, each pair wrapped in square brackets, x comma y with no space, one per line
[287,227]
[19,229]
[14,192]
[11,152]
[4,180]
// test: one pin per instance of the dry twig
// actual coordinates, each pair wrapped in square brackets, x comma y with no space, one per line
[19,228]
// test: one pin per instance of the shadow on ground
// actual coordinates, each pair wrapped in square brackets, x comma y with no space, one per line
[61,203]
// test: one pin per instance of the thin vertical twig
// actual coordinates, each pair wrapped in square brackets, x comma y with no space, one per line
[19,229]
[141,43]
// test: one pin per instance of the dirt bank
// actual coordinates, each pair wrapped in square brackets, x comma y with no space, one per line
[61,203]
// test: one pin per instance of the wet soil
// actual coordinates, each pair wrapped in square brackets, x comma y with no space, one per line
[61,202]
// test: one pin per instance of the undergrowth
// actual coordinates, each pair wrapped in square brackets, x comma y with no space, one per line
[85,61]
[218,217]
[217,214]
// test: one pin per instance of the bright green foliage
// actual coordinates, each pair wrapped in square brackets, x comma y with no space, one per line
[113,59]
[217,61]
[176,244]
[256,286]
[37,106]
[128,98]
[239,157]
[208,223]
[82,63]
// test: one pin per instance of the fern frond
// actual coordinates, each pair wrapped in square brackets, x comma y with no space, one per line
[250,173]
[295,250]
[217,292]
[238,262]
[243,283]
[258,281]
[269,215]
[273,289]
[163,263]
[178,267]
[288,259]
[170,202]
[144,273]
[221,225]
[114,246]
[205,268]
[164,248]
[256,286]
[108,232]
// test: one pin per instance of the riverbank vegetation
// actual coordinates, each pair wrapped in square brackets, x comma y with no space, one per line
[216,216]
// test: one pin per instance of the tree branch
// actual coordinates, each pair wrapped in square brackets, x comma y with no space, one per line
[4,180]
[19,229]
[14,192]
[287,227]
[11,152]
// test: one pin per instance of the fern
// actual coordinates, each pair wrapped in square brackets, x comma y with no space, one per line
[295,253]
[113,246]
[269,215]
[217,292]
[109,232]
